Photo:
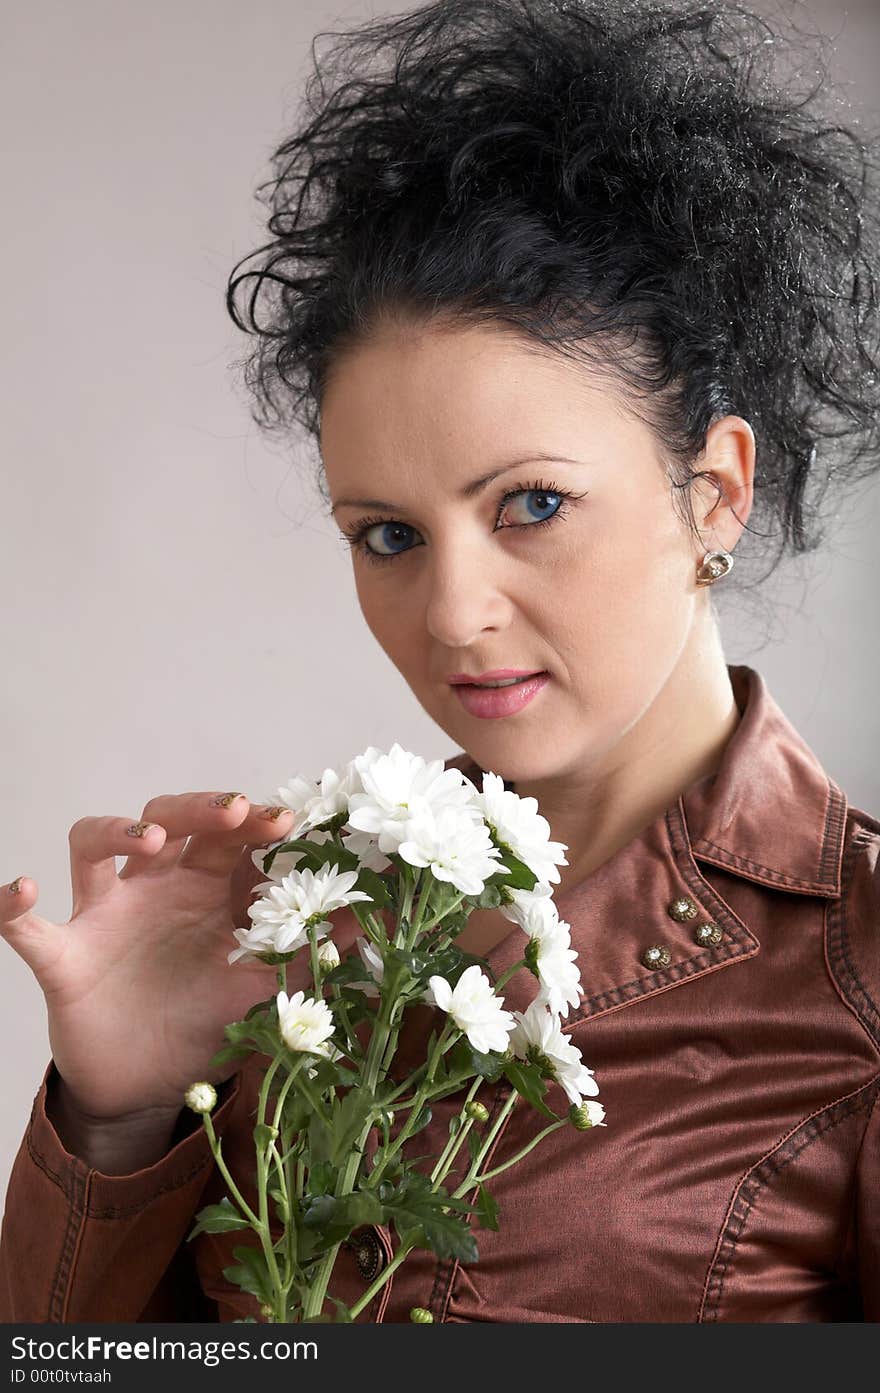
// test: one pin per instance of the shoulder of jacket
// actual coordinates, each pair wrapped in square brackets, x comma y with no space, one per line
[853,921]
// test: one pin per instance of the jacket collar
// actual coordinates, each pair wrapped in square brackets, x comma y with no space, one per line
[771,813]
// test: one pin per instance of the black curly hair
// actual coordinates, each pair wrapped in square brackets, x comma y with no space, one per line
[627,181]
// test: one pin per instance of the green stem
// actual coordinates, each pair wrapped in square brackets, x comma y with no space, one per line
[445,1039]
[224,1171]
[384,1276]
[496,1170]
[262,1169]
[453,1144]
[469,1180]
[315,1300]
[506,976]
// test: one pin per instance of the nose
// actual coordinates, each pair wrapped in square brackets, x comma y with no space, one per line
[465,597]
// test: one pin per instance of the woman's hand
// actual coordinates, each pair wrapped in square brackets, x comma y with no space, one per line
[137,984]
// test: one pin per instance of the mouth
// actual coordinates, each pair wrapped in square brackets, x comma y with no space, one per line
[491,702]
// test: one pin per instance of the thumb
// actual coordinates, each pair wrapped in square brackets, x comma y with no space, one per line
[37,941]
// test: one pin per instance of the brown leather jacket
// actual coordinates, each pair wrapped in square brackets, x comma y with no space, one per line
[738,1176]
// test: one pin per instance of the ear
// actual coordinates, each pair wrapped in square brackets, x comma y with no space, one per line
[724,499]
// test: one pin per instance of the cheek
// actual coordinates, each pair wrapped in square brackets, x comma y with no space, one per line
[389,614]
[615,607]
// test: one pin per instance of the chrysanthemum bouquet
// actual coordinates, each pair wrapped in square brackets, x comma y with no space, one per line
[413,849]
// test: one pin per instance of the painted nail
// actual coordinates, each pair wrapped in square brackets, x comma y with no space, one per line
[139,829]
[16,885]
[224,799]
[273,814]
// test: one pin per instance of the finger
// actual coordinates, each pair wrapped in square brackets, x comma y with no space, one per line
[37,941]
[182,814]
[206,831]
[219,853]
[95,842]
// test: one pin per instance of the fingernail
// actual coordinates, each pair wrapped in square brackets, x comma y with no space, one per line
[16,885]
[224,799]
[139,829]
[273,814]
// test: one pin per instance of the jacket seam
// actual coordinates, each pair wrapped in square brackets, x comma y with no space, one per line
[838,951]
[758,1176]
[767,873]
[59,1294]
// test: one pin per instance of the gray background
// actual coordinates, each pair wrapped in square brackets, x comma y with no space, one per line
[178,614]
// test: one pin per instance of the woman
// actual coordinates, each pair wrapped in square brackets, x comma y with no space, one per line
[571,297]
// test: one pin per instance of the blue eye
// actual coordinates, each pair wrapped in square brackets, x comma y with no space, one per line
[393,534]
[388,536]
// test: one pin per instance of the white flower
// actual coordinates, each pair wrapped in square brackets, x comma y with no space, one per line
[399,786]
[516,823]
[531,909]
[457,848]
[474,1007]
[201,1097]
[299,897]
[316,803]
[537,1036]
[305,1023]
[552,959]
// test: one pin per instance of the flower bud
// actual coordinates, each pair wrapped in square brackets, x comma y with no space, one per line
[419,1316]
[201,1097]
[588,1114]
[477,1111]
[328,955]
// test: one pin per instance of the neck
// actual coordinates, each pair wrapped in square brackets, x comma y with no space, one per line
[678,740]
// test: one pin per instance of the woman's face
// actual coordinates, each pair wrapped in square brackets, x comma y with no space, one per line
[597,590]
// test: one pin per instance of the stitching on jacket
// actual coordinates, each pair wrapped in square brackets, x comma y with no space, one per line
[786,1150]
[840,959]
[59,1293]
[728,859]
[835,827]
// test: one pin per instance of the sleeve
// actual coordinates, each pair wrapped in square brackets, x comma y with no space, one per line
[77,1245]
[867,1216]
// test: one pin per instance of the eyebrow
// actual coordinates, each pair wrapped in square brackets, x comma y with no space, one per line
[468,490]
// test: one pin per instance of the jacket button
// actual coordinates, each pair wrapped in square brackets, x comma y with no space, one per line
[708,934]
[682,909]
[367,1252]
[656,956]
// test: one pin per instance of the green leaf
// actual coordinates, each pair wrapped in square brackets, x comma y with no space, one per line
[348,1118]
[218,1218]
[475,1144]
[520,877]
[527,1081]
[251,1274]
[463,1057]
[486,1208]
[419,1213]
[322,1178]
[227,1054]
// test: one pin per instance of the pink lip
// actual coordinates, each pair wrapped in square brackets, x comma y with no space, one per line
[488,703]
[498,674]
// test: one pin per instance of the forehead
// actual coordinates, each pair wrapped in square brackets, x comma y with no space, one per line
[462,398]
